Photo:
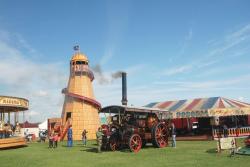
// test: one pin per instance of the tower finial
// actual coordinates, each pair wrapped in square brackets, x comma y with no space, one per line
[76,48]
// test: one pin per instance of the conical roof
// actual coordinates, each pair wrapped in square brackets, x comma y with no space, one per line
[79,57]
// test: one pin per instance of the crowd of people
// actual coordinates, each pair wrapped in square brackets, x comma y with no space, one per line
[7,130]
[54,137]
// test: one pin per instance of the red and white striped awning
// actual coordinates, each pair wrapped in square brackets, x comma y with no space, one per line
[204,107]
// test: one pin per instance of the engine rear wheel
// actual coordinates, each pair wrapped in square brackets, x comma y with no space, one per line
[160,135]
[135,143]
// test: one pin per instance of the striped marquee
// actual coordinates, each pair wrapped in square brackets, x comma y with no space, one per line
[203,107]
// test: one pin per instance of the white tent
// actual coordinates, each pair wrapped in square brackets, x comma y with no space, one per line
[43,125]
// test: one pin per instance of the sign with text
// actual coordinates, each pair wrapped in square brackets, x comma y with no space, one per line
[14,102]
[226,143]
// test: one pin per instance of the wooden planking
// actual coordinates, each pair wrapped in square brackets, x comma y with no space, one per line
[12,145]
[12,142]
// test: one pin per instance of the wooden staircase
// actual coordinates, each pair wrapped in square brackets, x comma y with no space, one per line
[12,142]
[65,129]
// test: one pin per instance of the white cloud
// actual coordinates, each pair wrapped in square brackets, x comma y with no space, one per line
[108,54]
[219,50]
[189,35]
[241,98]
[40,83]
[177,70]
[207,84]
[42,93]
[230,41]
[32,113]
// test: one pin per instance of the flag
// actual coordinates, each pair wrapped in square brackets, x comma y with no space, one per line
[76,48]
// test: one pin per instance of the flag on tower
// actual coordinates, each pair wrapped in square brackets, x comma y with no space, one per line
[76,48]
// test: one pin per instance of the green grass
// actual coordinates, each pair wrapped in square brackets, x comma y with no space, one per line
[193,154]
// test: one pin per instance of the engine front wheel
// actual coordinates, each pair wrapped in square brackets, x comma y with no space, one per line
[113,143]
[135,143]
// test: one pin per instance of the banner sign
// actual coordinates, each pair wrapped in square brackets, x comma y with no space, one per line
[189,114]
[14,102]
[226,143]
[211,113]
[229,111]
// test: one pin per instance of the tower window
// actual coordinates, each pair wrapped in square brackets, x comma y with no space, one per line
[68,115]
[82,62]
[79,62]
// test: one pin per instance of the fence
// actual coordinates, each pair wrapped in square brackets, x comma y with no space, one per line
[231,132]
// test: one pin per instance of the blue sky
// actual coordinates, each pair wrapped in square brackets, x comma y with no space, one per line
[170,49]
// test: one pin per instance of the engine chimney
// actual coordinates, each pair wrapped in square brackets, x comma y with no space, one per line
[124,88]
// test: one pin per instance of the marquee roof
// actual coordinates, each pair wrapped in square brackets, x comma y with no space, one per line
[204,107]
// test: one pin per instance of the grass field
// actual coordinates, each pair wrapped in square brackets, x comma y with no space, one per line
[187,154]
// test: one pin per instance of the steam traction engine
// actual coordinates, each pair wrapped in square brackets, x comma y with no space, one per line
[134,127]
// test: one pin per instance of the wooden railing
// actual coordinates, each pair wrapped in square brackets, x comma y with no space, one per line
[232,132]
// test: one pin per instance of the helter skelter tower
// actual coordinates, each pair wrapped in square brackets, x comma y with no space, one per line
[80,108]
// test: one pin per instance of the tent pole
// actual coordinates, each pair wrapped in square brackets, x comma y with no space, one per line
[188,124]
[23,121]
[15,117]
[8,117]
[3,114]
[236,122]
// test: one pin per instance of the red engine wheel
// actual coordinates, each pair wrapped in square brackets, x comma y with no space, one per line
[160,135]
[113,143]
[135,143]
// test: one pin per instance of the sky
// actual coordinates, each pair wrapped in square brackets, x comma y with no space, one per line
[170,49]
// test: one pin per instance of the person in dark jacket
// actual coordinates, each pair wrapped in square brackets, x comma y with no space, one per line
[225,130]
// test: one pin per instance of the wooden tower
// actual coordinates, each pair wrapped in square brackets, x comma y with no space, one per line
[80,109]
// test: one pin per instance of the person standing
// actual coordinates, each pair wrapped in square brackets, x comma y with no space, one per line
[99,135]
[84,137]
[173,133]
[55,138]
[51,140]
[70,138]
[225,130]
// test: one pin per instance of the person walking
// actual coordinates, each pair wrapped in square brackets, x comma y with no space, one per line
[99,135]
[173,133]
[70,138]
[51,140]
[84,137]
[55,138]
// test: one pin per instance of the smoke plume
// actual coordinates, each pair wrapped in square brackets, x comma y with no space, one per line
[116,75]
[104,78]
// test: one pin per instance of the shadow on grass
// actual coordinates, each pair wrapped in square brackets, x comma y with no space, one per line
[14,147]
[212,151]
[74,145]
[90,149]
[124,149]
